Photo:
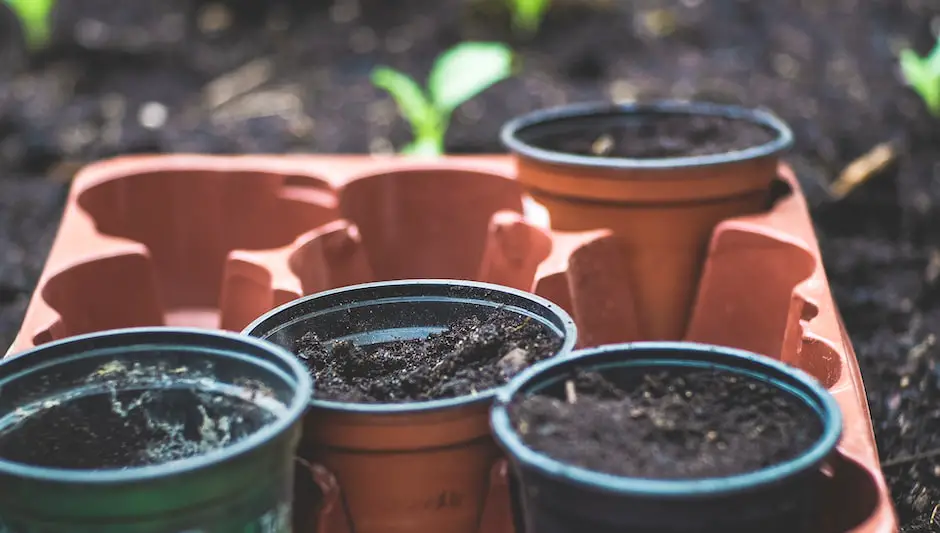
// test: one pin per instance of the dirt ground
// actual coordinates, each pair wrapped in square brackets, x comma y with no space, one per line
[154,76]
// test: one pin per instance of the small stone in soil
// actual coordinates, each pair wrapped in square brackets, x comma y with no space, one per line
[469,357]
[668,424]
[660,137]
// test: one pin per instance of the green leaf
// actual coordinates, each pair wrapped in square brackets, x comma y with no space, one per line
[913,67]
[527,15]
[931,96]
[34,16]
[466,70]
[412,103]
[923,78]
[425,147]
[933,58]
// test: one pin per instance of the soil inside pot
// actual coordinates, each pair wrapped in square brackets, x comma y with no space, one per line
[660,136]
[128,428]
[668,424]
[469,357]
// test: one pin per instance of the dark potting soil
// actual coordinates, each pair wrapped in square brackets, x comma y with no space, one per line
[128,429]
[469,357]
[668,424]
[661,136]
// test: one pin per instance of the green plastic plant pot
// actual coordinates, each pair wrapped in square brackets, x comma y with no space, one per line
[563,498]
[159,374]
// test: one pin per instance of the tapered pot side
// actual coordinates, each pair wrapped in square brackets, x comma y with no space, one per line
[419,467]
[563,498]
[663,208]
[206,431]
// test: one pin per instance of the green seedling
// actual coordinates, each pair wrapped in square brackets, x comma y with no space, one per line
[458,75]
[923,74]
[35,17]
[527,15]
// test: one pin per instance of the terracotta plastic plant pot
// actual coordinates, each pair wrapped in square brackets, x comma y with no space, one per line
[421,467]
[563,498]
[664,210]
[75,414]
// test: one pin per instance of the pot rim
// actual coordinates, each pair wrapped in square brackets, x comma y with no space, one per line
[188,339]
[509,134]
[568,330]
[757,366]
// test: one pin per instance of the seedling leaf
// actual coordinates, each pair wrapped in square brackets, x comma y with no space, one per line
[924,77]
[457,75]
[913,67]
[34,17]
[527,15]
[466,70]
[411,100]
[934,58]
[424,146]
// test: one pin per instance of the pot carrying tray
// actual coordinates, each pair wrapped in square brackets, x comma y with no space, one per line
[214,242]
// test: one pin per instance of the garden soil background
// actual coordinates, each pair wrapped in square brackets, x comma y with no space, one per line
[292,76]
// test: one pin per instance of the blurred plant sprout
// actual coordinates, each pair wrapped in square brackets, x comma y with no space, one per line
[35,19]
[923,74]
[527,15]
[457,75]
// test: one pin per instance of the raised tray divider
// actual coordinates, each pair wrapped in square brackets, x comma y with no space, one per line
[513,252]
[143,239]
[426,222]
[460,220]
[552,280]
[80,263]
[806,313]
[603,303]
[746,298]
[334,255]
[255,282]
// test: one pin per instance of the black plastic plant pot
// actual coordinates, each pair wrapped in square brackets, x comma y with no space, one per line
[439,452]
[150,430]
[569,497]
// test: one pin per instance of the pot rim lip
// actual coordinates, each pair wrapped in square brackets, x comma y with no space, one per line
[509,134]
[587,479]
[152,336]
[569,330]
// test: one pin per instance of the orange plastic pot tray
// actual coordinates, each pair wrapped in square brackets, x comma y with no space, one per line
[216,241]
